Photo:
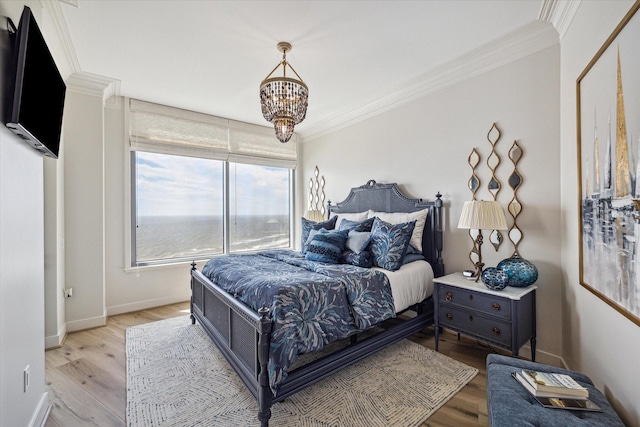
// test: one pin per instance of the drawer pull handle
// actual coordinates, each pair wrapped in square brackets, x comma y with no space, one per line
[496,306]
[496,331]
[449,297]
[470,297]
[449,316]
[471,318]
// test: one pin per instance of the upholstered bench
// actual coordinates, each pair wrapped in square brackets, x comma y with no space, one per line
[509,404]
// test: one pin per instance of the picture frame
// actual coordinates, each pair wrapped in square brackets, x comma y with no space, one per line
[608,137]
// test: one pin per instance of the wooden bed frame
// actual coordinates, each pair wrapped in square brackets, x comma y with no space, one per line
[243,335]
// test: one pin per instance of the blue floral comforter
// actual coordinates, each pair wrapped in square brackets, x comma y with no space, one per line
[311,303]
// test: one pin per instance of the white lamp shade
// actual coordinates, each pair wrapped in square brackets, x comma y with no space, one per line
[482,215]
[314,215]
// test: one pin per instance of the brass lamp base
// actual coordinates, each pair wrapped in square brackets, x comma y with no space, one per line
[479,267]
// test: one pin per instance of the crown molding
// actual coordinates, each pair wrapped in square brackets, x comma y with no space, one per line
[94,85]
[560,13]
[70,2]
[62,29]
[527,40]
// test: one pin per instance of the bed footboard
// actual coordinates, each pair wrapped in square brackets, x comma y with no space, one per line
[242,336]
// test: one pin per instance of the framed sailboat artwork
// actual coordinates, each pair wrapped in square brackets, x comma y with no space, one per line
[608,125]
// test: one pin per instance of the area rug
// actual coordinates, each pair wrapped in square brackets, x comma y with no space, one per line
[176,377]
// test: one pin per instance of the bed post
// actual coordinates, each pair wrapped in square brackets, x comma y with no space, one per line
[264,391]
[193,318]
[438,235]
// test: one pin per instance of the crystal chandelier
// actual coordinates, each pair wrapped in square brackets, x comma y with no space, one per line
[284,99]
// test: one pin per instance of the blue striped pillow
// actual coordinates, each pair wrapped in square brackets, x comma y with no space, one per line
[308,225]
[327,246]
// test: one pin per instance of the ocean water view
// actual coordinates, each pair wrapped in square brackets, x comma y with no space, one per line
[168,237]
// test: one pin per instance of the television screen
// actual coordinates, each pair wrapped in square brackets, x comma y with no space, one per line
[38,99]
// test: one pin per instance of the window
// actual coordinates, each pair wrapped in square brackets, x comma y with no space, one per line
[259,207]
[203,185]
[180,212]
[178,207]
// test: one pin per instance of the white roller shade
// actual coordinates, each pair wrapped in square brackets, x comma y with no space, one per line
[168,130]
[258,145]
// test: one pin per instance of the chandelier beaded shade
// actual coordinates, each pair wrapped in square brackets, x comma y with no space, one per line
[284,99]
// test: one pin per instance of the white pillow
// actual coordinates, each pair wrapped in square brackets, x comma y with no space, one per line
[419,217]
[358,241]
[360,216]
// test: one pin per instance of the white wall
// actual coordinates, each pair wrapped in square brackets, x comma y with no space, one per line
[84,208]
[131,289]
[22,258]
[55,317]
[96,177]
[424,146]
[21,282]
[597,339]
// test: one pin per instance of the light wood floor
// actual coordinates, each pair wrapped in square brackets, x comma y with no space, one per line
[86,378]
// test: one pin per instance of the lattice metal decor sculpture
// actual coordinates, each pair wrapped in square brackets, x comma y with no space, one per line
[474,184]
[316,192]
[515,181]
[494,186]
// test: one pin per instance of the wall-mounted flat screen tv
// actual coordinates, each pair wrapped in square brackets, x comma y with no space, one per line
[39,90]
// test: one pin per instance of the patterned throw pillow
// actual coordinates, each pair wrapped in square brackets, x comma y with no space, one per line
[327,246]
[365,225]
[399,217]
[389,243]
[362,259]
[308,225]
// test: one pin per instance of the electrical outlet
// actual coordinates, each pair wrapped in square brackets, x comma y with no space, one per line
[68,293]
[26,373]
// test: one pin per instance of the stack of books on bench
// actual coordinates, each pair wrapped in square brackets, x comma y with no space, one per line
[554,390]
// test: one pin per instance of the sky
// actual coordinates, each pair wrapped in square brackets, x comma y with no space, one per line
[182,186]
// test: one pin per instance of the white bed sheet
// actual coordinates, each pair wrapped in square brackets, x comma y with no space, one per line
[410,284]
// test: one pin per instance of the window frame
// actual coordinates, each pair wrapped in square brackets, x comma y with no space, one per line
[226,243]
[236,154]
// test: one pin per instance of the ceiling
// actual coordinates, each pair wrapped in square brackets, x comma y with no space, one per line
[355,56]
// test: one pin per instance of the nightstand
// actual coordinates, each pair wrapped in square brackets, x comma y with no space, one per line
[505,318]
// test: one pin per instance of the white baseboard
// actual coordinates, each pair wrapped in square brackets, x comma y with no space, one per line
[42,412]
[93,322]
[542,357]
[143,305]
[55,341]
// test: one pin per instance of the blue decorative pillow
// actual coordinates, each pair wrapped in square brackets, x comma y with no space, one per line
[308,225]
[327,246]
[362,259]
[389,243]
[358,240]
[365,225]
[412,257]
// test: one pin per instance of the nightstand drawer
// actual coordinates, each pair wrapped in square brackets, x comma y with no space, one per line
[469,322]
[482,303]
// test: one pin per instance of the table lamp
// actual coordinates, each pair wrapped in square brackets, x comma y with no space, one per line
[481,215]
[314,215]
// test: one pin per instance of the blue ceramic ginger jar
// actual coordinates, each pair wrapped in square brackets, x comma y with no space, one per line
[521,272]
[494,278]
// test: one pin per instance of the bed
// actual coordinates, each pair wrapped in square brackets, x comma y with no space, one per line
[233,297]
